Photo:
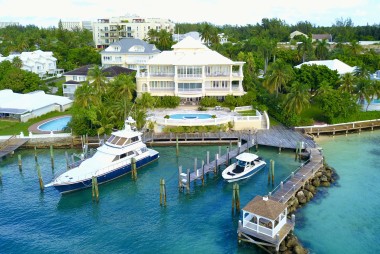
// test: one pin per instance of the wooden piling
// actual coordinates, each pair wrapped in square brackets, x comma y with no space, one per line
[188,180]
[272,166]
[134,170]
[52,156]
[237,196]
[216,164]
[67,160]
[195,166]
[220,151]
[180,178]
[1,178]
[162,192]
[40,177]
[95,189]
[297,151]
[19,162]
[235,199]
[269,172]
[228,157]
[35,154]
[208,157]
[176,145]
[203,173]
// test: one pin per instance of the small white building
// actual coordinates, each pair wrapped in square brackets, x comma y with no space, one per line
[128,53]
[335,65]
[42,63]
[194,34]
[26,106]
[265,222]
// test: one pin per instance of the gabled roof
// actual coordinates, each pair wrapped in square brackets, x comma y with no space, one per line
[126,47]
[328,37]
[113,71]
[109,71]
[190,52]
[335,64]
[265,207]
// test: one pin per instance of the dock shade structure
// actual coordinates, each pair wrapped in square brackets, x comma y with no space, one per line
[265,222]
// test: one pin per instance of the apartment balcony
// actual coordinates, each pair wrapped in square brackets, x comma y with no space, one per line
[189,76]
[161,74]
[218,74]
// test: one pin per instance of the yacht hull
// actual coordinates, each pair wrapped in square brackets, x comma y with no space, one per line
[249,174]
[111,175]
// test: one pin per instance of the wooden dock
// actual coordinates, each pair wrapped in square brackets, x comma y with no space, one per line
[288,188]
[340,128]
[184,179]
[11,144]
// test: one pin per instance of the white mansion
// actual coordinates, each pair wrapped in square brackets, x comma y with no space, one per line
[42,63]
[191,71]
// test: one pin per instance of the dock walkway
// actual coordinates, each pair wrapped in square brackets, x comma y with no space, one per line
[288,188]
[11,144]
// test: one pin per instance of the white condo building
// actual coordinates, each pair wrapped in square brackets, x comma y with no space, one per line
[73,25]
[108,31]
[42,63]
[128,53]
[191,71]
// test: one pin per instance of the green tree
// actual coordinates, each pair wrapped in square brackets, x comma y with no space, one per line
[97,79]
[297,99]
[321,49]
[85,96]
[347,83]
[123,86]
[278,75]
[165,40]
[17,62]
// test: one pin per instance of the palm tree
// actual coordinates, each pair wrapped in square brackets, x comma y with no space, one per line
[165,40]
[305,47]
[207,33]
[278,75]
[140,117]
[297,99]
[321,50]
[362,71]
[17,62]
[364,91]
[104,119]
[145,101]
[324,88]
[85,96]
[355,47]
[123,86]
[347,83]
[97,78]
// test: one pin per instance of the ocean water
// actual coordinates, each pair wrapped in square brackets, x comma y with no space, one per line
[345,217]
[128,217]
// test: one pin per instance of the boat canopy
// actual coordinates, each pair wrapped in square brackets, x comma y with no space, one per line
[247,157]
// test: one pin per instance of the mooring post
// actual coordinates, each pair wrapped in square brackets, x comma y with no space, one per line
[296,155]
[188,181]
[177,145]
[1,178]
[67,160]
[272,163]
[162,192]
[220,151]
[216,164]
[203,172]
[40,177]
[237,197]
[293,218]
[52,156]
[179,178]
[233,198]
[134,170]
[208,157]
[269,172]
[95,189]
[282,185]
[19,162]
[228,157]
[35,153]
[195,166]
[239,145]
[249,141]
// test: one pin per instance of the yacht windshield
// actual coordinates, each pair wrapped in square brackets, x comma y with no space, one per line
[241,163]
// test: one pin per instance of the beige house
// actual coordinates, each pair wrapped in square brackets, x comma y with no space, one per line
[191,71]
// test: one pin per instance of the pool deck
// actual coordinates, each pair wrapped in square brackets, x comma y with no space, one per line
[34,128]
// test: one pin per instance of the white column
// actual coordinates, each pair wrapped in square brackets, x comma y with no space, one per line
[203,81]
[175,80]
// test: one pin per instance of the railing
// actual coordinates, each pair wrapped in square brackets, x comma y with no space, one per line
[7,142]
[247,118]
[161,74]
[236,74]
[243,108]
[337,125]
[193,122]
[162,89]
[189,75]
[210,88]
[218,74]
[235,87]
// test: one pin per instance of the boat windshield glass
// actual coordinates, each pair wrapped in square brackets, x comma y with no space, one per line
[241,163]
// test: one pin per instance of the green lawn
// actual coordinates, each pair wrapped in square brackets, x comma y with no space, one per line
[8,127]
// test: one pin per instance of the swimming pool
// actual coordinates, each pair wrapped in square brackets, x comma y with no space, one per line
[190,116]
[55,125]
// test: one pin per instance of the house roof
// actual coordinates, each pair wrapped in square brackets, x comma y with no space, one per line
[335,64]
[131,46]
[109,71]
[113,71]
[321,37]
[295,33]
[17,103]
[190,52]
[265,207]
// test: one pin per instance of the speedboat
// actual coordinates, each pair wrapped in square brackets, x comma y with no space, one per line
[246,165]
[111,160]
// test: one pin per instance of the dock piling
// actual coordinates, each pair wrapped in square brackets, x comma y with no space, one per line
[228,157]
[176,145]
[203,173]
[220,151]
[188,180]
[272,163]
[208,157]
[180,178]
[35,154]
[195,166]
[40,177]
[95,189]
[235,199]
[67,160]
[162,192]
[19,162]
[134,170]
[52,156]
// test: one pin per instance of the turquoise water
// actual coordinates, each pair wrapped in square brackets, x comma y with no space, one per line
[345,218]
[55,125]
[190,116]
[128,217]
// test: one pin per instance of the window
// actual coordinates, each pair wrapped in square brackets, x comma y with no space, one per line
[134,139]
[189,86]
[189,71]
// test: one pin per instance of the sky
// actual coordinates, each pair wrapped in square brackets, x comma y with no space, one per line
[47,13]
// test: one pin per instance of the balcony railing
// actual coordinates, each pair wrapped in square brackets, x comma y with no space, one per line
[189,75]
[236,74]
[161,74]
[218,74]
[210,88]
